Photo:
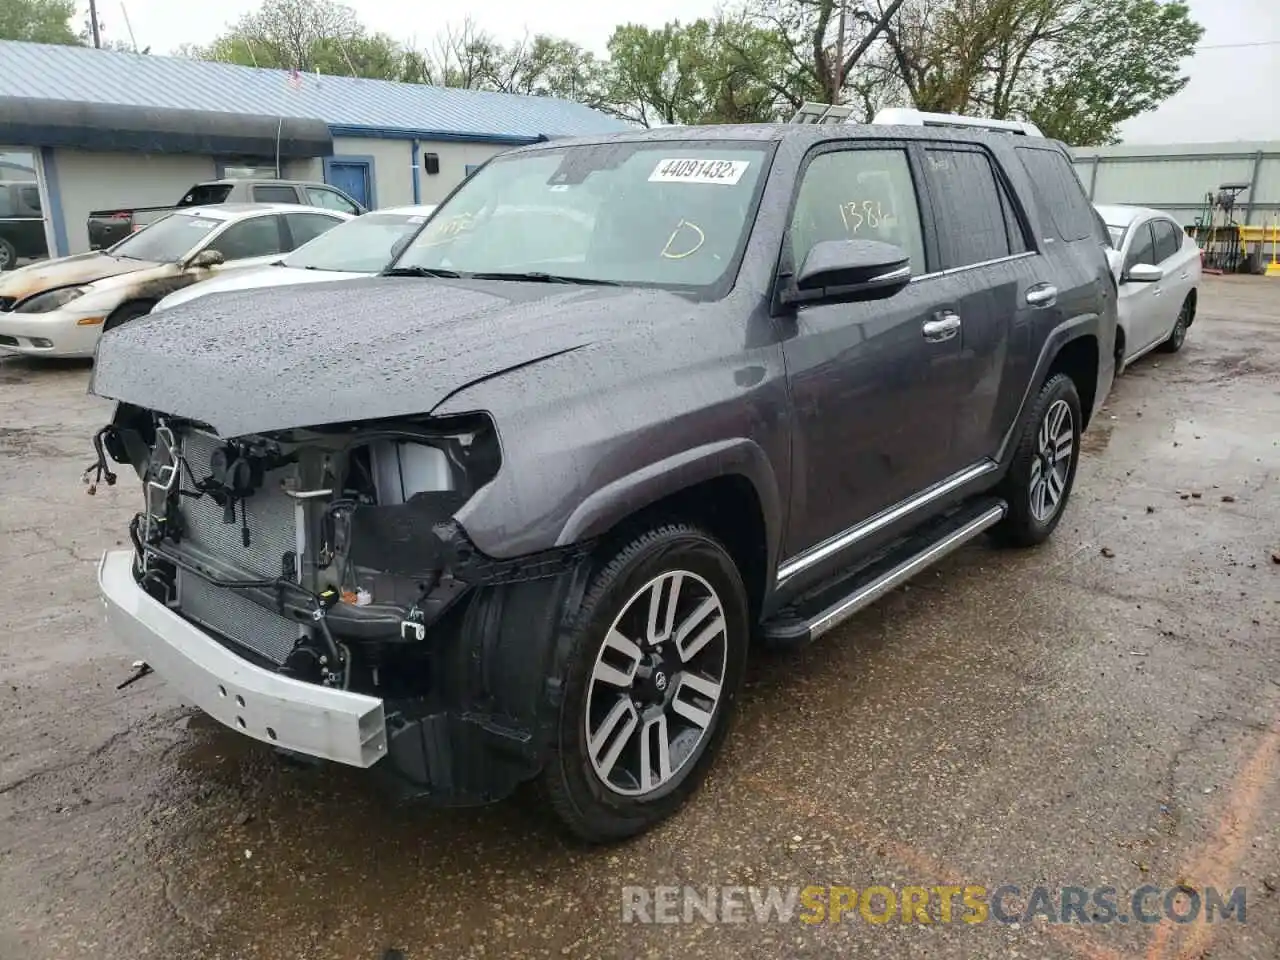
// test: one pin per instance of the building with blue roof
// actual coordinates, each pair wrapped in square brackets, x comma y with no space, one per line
[104,128]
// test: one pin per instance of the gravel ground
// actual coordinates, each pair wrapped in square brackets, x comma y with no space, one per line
[1104,710]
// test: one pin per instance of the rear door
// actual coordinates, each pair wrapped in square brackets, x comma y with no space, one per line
[990,279]
[1175,251]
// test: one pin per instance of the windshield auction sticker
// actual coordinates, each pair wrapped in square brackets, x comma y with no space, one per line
[689,170]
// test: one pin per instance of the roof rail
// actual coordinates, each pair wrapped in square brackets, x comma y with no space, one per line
[899,116]
[812,112]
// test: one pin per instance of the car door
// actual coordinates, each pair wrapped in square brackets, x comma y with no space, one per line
[254,241]
[987,281]
[871,426]
[1141,303]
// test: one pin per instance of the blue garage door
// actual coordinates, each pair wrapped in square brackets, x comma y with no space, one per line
[352,178]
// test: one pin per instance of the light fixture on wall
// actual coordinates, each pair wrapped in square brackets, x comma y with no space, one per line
[431,162]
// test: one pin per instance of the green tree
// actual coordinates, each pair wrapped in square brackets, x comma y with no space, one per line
[38,21]
[1078,68]
[309,35]
[1117,60]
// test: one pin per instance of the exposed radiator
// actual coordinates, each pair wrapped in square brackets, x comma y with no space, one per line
[270,516]
[237,618]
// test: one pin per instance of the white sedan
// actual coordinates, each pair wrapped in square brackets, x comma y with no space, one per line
[1158,271]
[59,308]
[358,248]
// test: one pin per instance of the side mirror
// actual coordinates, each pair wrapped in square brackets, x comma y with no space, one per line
[206,258]
[851,270]
[399,247]
[1143,273]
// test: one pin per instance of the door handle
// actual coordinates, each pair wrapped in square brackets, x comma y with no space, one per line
[1156,292]
[1042,295]
[946,326]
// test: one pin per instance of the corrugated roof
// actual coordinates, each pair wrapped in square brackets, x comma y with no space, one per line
[82,74]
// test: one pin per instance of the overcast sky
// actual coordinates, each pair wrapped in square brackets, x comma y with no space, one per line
[1231,95]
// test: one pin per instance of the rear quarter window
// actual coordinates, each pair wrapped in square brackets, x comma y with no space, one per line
[206,194]
[1059,197]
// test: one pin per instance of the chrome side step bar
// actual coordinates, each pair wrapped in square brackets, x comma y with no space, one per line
[867,593]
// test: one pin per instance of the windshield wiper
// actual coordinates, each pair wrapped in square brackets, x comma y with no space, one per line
[420,272]
[539,277]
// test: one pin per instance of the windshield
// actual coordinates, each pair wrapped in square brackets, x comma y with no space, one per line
[167,240]
[362,245]
[672,214]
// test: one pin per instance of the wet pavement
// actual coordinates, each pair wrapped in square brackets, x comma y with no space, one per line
[1102,711]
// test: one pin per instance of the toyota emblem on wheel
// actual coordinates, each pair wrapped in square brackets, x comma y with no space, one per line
[660,681]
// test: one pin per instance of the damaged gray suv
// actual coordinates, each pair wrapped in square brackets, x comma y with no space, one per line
[518,509]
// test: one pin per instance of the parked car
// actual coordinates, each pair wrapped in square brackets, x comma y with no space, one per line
[111,226]
[21,224]
[1159,276]
[502,516]
[360,247]
[59,308]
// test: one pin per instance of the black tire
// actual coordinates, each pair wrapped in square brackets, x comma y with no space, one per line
[1024,525]
[1178,335]
[8,256]
[587,805]
[126,312]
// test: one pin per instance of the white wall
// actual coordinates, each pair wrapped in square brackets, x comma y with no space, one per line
[454,158]
[95,181]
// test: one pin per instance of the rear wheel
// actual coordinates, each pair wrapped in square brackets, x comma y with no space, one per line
[1043,471]
[127,312]
[656,662]
[1178,335]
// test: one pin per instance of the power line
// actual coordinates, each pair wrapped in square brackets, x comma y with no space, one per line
[1233,46]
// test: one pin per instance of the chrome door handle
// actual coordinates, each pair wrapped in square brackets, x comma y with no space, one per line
[1156,292]
[944,328]
[1044,295]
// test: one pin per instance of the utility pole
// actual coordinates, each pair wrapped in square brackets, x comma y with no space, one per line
[93,24]
[837,78]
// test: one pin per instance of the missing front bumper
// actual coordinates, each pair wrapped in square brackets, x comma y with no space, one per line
[318,721]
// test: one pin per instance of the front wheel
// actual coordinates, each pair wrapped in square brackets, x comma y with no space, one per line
[1043,471]
[656,661]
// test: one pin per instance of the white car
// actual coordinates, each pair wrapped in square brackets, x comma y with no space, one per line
[1158,271]
[59,308]
[360,248]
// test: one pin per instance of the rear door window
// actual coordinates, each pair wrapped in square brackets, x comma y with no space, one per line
[975,220]
[275,194]
[858,195]
[1060,199]
[1168,239]
[305,227]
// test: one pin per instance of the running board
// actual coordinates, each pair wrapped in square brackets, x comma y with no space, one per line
[887,575]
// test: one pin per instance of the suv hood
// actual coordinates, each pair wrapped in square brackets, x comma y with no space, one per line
[275,359]
[252,278]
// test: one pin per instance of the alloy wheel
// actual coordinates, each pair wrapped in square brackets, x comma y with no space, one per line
[656,684]
[1055,447]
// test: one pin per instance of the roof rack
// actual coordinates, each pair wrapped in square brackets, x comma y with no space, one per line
[813,112]
[899,116]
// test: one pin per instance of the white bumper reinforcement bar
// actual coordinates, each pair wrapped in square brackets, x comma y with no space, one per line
[304,717]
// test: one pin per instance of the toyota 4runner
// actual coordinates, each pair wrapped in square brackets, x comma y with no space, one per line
[515,510]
